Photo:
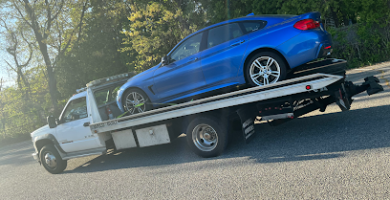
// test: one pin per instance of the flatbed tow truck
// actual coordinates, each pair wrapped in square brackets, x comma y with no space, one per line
[91,130]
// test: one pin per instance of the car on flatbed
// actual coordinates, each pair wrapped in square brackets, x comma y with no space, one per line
[251,50]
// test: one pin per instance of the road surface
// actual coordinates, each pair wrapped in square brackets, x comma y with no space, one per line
[319,156]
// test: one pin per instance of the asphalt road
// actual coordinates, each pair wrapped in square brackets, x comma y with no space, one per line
[319,156]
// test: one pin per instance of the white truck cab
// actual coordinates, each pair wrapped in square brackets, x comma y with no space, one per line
[69,136]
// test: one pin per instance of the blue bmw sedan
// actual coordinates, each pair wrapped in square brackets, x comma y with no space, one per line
[251,50]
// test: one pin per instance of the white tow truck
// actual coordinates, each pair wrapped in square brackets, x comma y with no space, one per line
[87,125]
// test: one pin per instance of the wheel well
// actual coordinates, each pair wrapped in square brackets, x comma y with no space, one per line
[124,92]
[39,144]
[264,50]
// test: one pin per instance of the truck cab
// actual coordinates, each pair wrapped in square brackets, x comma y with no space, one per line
[69,135]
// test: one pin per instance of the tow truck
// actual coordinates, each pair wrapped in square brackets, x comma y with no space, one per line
[89,123]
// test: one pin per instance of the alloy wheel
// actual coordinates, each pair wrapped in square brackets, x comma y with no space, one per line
[264,70]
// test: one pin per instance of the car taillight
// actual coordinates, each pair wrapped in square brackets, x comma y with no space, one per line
[306,24]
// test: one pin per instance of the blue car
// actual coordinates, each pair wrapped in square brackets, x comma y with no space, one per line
[251,50]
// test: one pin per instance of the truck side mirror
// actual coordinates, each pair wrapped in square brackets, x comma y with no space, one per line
[164,60]
[51,121]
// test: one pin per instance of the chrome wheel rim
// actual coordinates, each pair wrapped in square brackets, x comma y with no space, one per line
[205,137]
[135,103]
[50,160]
[264,70]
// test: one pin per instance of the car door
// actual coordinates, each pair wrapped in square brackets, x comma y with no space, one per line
[71,133]
[226,46]
[183,75]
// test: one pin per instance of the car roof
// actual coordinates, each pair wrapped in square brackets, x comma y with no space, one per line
[252,17]
[249,17]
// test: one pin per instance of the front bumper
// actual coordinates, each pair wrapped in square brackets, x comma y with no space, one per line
[36,157]
[119,100]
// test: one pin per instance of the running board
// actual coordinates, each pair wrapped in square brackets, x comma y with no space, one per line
[97,151]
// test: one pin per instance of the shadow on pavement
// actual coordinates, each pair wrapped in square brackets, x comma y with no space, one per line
[325,136]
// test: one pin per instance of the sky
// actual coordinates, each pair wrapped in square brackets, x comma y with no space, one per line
[7,76]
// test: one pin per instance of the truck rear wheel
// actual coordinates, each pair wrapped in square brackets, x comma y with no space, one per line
[207,136]
[52,160]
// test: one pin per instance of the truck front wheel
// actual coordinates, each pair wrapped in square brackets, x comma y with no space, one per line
[52,160]
[207,136]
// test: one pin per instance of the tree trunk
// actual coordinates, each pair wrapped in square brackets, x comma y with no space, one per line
[43,48]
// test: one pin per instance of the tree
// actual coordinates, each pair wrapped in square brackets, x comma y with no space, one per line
[53,32]
[14,49]
[156,27]
[96,54]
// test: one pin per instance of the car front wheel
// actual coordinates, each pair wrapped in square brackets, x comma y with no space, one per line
[135,101]
[265,68]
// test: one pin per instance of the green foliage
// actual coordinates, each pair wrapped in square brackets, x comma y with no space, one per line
[19,115]
[96,54]
[156,27]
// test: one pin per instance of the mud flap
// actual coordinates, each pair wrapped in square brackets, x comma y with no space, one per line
[247,116]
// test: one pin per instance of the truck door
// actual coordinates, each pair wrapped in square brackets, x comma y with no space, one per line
[73,132]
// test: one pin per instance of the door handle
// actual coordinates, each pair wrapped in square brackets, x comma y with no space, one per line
[238,43]
[193,59]
[86,124]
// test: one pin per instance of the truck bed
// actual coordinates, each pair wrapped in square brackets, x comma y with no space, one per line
[251,95]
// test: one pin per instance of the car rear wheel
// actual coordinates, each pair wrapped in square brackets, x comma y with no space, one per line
[135,101]
[265,68]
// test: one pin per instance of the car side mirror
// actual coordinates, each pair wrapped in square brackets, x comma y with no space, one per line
[164,60]
[51,121]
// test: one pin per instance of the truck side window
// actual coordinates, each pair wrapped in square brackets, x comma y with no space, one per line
[76,109]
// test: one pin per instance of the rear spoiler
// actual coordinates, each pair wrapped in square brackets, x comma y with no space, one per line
[311,15]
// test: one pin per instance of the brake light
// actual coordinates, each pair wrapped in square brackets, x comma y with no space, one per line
[306,24]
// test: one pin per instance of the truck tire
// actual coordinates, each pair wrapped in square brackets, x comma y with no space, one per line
[51,159]
[207,136]
[265,68]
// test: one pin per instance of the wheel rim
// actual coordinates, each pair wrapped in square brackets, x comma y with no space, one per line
[264,70]
[50,160]
[204,137]
[135,103]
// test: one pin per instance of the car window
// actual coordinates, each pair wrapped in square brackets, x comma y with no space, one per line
[189,47]
[223,34]
[253,26]
[76,109]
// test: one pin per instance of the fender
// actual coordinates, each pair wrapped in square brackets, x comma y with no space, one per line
[48,137]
